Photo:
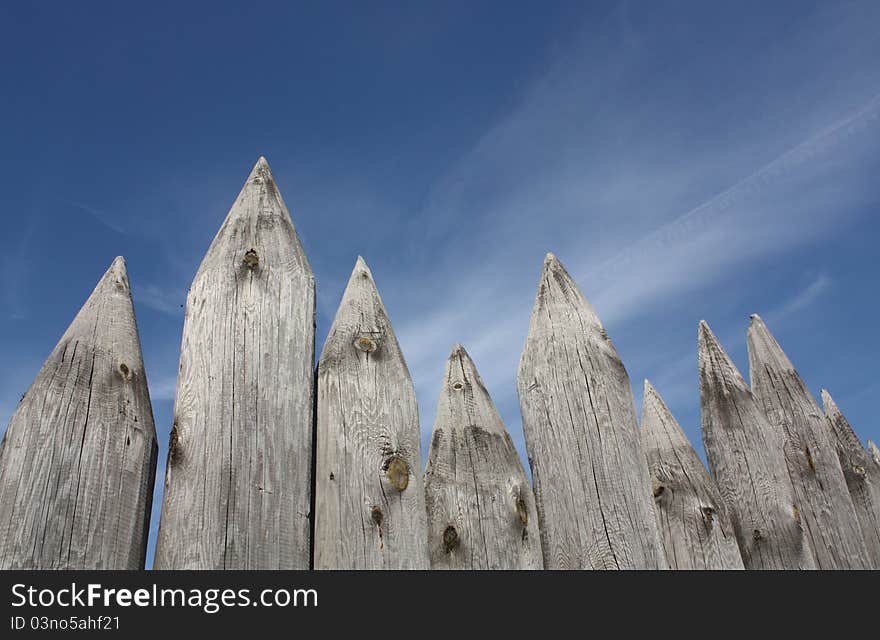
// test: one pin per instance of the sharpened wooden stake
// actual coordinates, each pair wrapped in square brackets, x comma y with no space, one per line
[481,509]
[810,455]
[238,482]
[692,516]
[78,461]
[369,492]
[592,489]
[746,459]
[861,474]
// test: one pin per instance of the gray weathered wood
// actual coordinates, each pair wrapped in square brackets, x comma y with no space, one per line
[481,509]
[692,516]
[369,491]
[862,476]
[238,482]
[592,489]
[874,452]
[821,493]
[78,460]
[745,456]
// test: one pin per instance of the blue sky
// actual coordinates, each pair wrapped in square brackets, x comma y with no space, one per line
[684,161]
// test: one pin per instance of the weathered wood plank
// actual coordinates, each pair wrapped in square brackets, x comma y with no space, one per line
[78,460]
[821,493]
[692,516]
[369,491]
[745,456]
[481,509]
[238,483]
[592,489]
[862,475]
[874,452]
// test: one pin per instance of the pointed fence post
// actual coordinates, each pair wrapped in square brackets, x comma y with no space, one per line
[238,481]
[746,460]
[862,476]
[592,488]
[369,492]
[692,516]
[826,507]
[78,459]
[481,509]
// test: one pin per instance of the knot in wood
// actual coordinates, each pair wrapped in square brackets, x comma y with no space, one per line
[376,515]
[457,385]
[173,445]
[756,535]
[398,473]
[708,514]
[366,344]
[450,539]
[859,471]
[125,372]
[251,259]
[658,489]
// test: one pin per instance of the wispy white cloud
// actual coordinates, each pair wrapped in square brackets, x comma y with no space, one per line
[165,300]
[634,226]
[163,387]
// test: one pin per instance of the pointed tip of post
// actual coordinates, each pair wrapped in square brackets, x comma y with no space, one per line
[764,348]
[260,166]
[706,334]
[828,404]
[657,419]
[649,389]
[457,350]
[117,271]
[652,396]
[552,263]
[711,355]
[361,270]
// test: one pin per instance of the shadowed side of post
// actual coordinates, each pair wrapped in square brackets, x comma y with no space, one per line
[810,455]
[592,489]
[691,515]
[238,480]
[369,491]
[861,474]
[746,460]
[78,460]
[481,509]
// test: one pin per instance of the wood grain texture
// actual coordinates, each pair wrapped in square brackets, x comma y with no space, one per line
[592,489]
[238,481]
[861,474]
[369,491]
[810,455]
[481,509]
[692,517]
[78,460]
[745,456]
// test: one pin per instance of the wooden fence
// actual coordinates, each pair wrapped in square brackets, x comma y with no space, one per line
[273,464]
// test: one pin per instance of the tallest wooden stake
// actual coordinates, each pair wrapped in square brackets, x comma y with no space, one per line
[238,483]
